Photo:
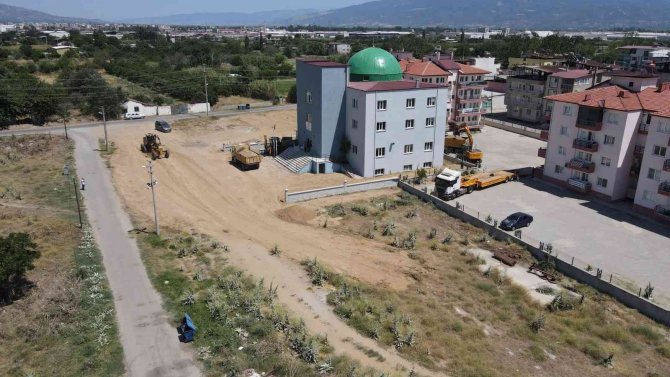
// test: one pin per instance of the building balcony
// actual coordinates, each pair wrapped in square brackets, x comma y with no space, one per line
[662,213]
[664,188]
[581,165]
[472,83]
[542,152]
[585,145]
[544,135]
[589,124]
[666,165]
[579,185]
[638,150]
[643,129]
[469,99]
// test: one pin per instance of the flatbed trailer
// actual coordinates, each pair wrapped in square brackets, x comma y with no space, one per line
[451,184]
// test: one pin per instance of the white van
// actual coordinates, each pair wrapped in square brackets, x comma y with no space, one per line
[133,116]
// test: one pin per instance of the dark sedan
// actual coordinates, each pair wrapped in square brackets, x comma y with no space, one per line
[516,221]
[162,126]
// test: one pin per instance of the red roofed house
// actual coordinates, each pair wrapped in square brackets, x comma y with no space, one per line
[613,142]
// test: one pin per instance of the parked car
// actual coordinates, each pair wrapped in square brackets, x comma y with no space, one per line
[133,116]
[162,126]
[516,220]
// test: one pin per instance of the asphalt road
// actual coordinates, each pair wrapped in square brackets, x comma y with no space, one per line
[112,123]
[149,339]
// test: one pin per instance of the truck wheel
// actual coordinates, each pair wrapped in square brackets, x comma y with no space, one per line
[167,154]
[154,155]
[142,148]
[470,189]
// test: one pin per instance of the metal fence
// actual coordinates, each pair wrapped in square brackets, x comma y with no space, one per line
[612,277]
[513,127]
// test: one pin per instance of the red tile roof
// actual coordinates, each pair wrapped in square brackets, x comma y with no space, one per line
[385,86]
[616,98]
[572,74]
[419,68]
[471,70]
[448,64]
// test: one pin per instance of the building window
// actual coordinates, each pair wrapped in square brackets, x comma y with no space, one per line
[602,182]
[308,97]
[654,174]
[608,139]
[605,161]
[564,130]
[430,122]
[410,103]
[407,167]
[354,123]
[648,195]
[558,169]
[561,150]
[137,109]
[428,146]
[612,118]
[431,101]
[630,84]
[381,126]
[659,151]
[381,105]
[567,110]
[379,171]
[308,122]
[354,103]
[409,148]
[428,164]
[354,149]
[380,152]
[409,124]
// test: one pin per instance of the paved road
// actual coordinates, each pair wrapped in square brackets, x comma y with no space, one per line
[149,340]
[113,123]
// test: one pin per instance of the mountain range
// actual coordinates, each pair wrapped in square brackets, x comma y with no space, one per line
[9,13]
[517,14]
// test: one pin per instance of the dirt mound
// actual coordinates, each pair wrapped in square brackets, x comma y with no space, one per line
[296,214]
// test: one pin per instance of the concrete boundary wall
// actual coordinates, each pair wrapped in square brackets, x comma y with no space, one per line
[345,188]
[628,298]
[511,127]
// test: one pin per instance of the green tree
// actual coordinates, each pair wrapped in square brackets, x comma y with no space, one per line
[292,96]
[17,254]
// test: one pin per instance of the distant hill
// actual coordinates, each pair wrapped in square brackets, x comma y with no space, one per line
[517,14]
[275,17]
[10,13]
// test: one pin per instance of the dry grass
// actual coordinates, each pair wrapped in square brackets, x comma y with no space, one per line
[472,324]
[67,319]
[240,325]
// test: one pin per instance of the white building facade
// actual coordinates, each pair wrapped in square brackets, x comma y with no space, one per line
[613,143]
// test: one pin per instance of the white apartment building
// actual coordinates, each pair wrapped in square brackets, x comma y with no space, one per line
[613,143]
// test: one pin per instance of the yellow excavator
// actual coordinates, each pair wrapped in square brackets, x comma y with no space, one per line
[463,146]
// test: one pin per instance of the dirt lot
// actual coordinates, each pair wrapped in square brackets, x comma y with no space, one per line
[200,191]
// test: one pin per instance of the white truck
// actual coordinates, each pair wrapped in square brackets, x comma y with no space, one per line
[450,184]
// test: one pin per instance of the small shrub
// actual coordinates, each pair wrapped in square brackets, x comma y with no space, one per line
[562,302]
[412,213]
[389,229]
[336,210]
[432,234]
[370,234]
[360,209]
[447,239]
[188,299]
[647,332]
[275,250]
[433,246]
[537,324]
[545,290]
[489,219]
[648,290]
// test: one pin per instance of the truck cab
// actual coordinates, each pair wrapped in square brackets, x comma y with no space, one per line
[448,184]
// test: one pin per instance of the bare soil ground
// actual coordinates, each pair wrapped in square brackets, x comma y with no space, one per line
[64,325]
[200,191]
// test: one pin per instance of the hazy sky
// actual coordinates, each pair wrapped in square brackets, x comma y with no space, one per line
[120,9]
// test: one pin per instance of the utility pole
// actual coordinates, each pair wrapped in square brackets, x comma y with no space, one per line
[104,125]
[76,195]
[65,125]
[204,73]
[152,183]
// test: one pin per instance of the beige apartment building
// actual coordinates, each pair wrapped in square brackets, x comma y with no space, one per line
[613,142]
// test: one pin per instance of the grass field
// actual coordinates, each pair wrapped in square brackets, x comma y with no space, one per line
[459,320]
[134,90]
[284,85]
[240,324]
[65,324]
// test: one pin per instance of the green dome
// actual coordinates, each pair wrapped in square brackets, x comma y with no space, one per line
[374,64]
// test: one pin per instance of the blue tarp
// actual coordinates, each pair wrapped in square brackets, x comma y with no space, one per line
[188,322]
